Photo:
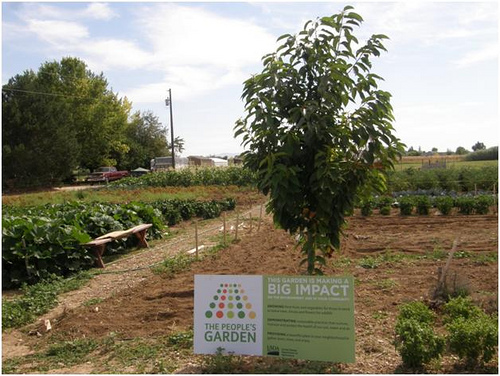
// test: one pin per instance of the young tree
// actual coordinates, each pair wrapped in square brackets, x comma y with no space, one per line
[318,129]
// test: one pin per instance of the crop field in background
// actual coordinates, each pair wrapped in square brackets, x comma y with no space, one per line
[452,161]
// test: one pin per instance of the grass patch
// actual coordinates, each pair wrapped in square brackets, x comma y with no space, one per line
[137,355]
[93,301]
[386,284]
[59,355]
[182,261]
[38,299]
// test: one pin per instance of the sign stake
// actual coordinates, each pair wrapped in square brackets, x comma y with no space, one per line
[196,236]
[260,218]
[236,228]
[224,219]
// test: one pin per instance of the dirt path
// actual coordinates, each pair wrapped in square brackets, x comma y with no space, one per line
[132,270]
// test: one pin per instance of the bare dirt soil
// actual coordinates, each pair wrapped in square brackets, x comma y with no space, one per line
[139,303]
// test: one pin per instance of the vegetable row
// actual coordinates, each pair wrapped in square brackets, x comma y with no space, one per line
[41,241]
[422,204]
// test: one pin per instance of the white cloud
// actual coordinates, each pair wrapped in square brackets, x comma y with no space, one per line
[57,32]
[99,11]
[480,55]
[115,53]
[191,36]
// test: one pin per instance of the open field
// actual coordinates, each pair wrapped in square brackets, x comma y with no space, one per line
[132,320]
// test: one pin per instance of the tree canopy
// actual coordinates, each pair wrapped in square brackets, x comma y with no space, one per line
[318,130]
[65,117]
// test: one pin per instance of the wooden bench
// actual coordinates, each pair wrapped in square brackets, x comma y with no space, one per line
[98,245]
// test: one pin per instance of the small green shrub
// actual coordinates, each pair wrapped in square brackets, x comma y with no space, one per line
[406,205]
[482,204]
[385,210]
[367,207]
[417,343]
[444,204]
[473,339]
[423,204]
[415,338]
[385,201]
[465,205]
[460,307]
[416,311]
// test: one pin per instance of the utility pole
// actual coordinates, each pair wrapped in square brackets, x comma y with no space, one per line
[168,102]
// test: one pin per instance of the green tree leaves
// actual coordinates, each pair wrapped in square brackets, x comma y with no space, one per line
[316,125]
[65,117]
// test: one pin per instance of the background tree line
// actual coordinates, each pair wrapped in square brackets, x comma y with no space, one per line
[64,117]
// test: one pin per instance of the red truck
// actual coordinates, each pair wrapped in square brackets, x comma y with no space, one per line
[106,174]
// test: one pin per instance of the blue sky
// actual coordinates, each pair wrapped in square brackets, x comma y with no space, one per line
[441,66]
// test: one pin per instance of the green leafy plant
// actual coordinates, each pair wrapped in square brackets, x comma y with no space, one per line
[474,339]
[406,205]
[367,207]
[416,311]
[423,204]
[482,204]
[444,204]
[318,130]
[417,343]
[416,340]
[473,335]
[460,307]
[465,205]
[385,210]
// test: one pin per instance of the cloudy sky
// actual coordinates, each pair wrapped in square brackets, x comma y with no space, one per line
[441,66]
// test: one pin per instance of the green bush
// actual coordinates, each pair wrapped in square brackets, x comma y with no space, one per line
[367,207]
[416,311]
[465,205]
[473,335]
[423,204]
[474,339]
[385,210]
[482,204]
[444,204]
[385,201]
[417,343]
[406,205]
[460,307]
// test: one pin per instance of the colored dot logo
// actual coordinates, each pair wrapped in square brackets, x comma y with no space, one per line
[230,292]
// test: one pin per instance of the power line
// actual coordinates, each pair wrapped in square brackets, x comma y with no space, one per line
[44,93]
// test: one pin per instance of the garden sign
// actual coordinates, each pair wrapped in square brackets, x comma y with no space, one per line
[299,317]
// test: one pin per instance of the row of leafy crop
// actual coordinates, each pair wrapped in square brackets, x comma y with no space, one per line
[187,177]
[46,240]
[471,334]
[464,179]
[422,204]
